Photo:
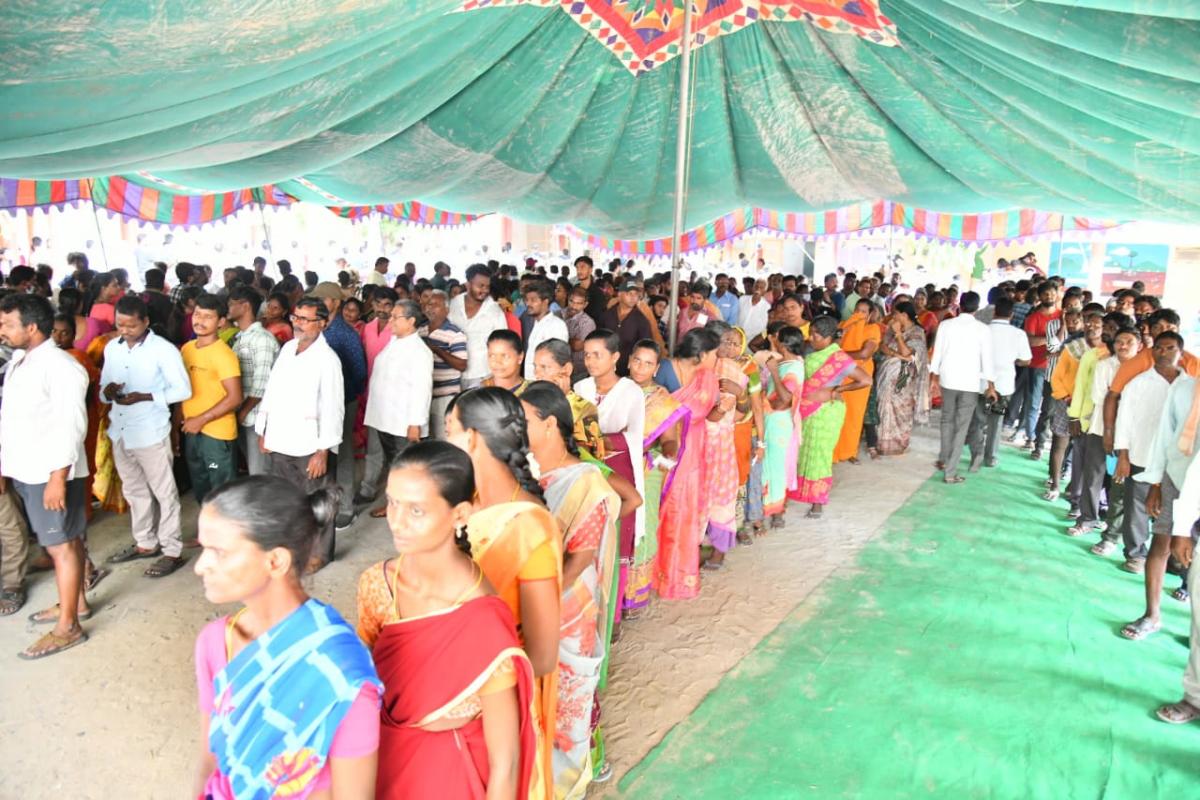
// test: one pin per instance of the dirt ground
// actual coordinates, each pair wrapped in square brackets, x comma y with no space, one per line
[116,717]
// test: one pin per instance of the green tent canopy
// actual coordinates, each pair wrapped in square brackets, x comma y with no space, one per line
[567,112]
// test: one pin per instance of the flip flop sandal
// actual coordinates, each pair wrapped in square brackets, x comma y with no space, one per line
[132,553]
[1051,495]
[93,580]
[59,643]
[1180,594]
[11,601]
[1178,713]
[164,566]
[955,479]
[813,514]
[1140,629]
[49,616]
[778,522]
[744,537]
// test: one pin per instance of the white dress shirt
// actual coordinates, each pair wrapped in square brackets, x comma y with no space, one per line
[548,327]
[1009,345]
[752,317]
[304,405]
[43,419]
[1187,508]
[152,366]
[1142,403]
[401,387]
[962,354]
[489,317]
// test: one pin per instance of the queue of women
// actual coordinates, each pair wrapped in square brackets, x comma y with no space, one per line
[554,513]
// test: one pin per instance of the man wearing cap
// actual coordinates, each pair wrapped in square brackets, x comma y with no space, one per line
[627,321]
[348,346]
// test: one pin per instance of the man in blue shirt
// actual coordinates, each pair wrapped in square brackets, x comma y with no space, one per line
[832,294]
[346,342]
[725,300]
[143,376]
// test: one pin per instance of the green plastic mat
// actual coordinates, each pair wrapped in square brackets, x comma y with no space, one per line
[971,653]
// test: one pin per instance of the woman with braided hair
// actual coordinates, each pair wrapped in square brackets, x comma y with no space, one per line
[516,543]
[587,510]
[458,688]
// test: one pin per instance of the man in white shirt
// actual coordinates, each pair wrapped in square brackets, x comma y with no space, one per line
[476,314]
[1167,465]
[1184,514]
[962,363]
[1091,454]
[378,276]
[753,310]
[43,422]
[539,293]
[299,421]
[1010,349]
[1133,440]
[401,386]
[143,377]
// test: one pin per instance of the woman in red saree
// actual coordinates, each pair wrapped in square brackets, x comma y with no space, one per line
[457,717]
[691,378]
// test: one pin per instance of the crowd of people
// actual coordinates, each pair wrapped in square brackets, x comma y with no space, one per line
[546,469]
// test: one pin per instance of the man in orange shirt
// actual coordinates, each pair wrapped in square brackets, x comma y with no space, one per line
[1162,320]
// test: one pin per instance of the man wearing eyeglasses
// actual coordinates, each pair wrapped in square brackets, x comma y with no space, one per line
[300,417]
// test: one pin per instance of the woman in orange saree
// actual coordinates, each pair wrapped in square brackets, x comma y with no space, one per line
[691,378]
[457,717]
[860,339]
[516,543]
[586,509]
[106,486]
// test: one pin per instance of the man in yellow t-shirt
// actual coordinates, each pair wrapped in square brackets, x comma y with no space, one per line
[209,423]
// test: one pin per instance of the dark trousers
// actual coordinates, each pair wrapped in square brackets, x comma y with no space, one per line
[294,470]
[1016,405]
[1135,522]
[392,446]
[212,463]
[1075,457]
[1043,417]
[957,410]
[871,432]
[983,437]
[1091,458]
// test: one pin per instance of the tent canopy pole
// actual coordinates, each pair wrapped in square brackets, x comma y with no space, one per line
[681,148]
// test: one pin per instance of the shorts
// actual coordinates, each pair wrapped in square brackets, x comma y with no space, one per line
[1059,422]
[53,528]
[1165,519]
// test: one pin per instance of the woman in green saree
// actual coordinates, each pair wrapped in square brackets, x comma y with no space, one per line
[828,372]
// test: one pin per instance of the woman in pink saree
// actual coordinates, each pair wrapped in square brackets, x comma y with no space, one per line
[720,461]
[691,378]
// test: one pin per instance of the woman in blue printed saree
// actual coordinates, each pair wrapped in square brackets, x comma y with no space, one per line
[828,372]
[289,696]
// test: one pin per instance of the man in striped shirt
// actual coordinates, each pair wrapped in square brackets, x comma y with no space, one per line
[449,347]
